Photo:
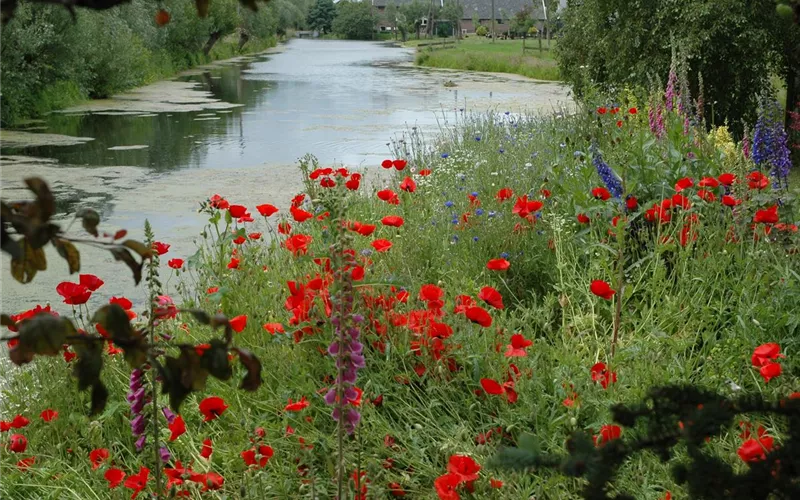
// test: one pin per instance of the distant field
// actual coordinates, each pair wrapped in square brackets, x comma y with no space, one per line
[481,54]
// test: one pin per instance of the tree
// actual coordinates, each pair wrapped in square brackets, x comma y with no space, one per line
[476,22]
[354,20]
[522,21]
[321,16]
[414,13]
[391,12]
[453,11]
[734,45]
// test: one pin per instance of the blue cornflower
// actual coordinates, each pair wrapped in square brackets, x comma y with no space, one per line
[454,221]
[455,238]
[492,213]
[478,138]
[445,155]
[502,150]
[366,252]
[479,211]
[449,204]
[504,255]
[474,193]
[474,238]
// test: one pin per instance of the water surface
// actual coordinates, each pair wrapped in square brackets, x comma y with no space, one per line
[156,157]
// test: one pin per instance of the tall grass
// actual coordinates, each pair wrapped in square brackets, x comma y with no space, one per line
[532,67]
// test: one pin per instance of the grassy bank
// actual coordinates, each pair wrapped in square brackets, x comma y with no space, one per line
[697,287]
[480,54]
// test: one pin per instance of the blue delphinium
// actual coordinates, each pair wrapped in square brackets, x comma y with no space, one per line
[770,147]
[610,179]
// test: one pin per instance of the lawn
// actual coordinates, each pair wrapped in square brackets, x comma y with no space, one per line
[504,288]
[481,54]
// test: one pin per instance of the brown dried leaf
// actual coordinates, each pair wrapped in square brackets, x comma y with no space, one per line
[126,257]
[44,198]
[193,374]
[115,321]
[200,315]
[71,254]
[99,398]
[202,7]
[171,383]
[215,360]
[90,220]
[5,320]
[89,364]
[137,246]
[24,269]
[252,378]
[43,334]
[7,244]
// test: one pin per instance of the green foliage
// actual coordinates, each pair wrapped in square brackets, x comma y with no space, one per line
[482,30]
[354,20]
[48,61]
[734,44]
[321,16]
[522,22]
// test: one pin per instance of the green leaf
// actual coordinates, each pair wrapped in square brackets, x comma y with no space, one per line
[71,254]
[252,378]
[43,334]
[90,220]
[115,321]
[99,398]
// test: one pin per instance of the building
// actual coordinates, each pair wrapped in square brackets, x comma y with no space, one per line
[480,10]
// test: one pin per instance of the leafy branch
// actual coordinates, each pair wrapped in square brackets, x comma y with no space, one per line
[669,416]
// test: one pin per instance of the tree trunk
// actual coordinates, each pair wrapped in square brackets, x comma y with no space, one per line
[215,36]
[243,39]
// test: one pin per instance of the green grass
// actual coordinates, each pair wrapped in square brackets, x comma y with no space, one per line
[690,314]
[481,54]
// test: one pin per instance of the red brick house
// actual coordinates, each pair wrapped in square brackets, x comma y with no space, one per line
[504,11]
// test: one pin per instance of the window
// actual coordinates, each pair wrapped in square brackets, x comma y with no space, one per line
[424,21]
[463,31]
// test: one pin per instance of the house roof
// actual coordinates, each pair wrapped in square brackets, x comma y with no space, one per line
[483,8]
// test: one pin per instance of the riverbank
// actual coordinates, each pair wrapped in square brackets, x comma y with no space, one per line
[95,54]
[481,54]
[502,298]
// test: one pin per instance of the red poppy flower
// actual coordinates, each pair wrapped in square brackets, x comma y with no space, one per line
[17,443]
[682,184]
[238,323]
[602,110]
[620,123]
[430,293]
[730,201]
[767,216]
[209,480]
[299,405]
[709,182]
[504,194]
[517,346]
[176,428]
[122,302]
[757,180]
[74,294]
[524,207]
[354,182]
[160,248]
[491,297]
[392,220]
[91,281]
[464,467]
[632,203]
[601,193]
[678,200]
[478,315]
[300,215]
[274,328]
[727,179]
[357,273]
[212,407]
[19,422]
[381,245]
[446,487]
[284,228]
[496,483]
[219,202]
[298,244]
[25,463]
[633,111]
[765,353]
[254,236]
[601,373]
[98,456]
[258,457]
[399,164]
[386,164]
[498,265]
[408,185]
[234,263]
[175,263]
[769,371]
[607,433]
[754,450]
[138,482]
[707,196]
[602,289]
[207,449]
[114,477]
[583,218]
[49,415]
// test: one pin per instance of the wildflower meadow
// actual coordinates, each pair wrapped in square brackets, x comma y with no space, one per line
[486,314]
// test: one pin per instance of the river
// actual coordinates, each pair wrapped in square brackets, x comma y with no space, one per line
[235,128]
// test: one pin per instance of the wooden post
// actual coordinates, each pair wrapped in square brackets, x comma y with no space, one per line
[540,42]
